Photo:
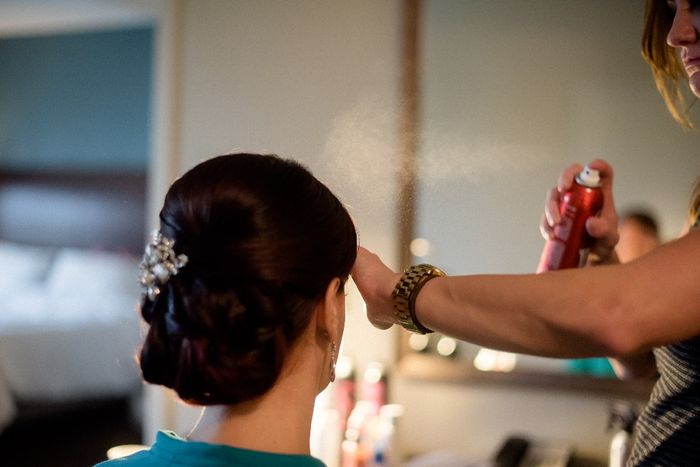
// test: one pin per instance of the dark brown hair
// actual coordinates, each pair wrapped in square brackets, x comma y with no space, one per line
[643,217]
[666,67]
[264,239]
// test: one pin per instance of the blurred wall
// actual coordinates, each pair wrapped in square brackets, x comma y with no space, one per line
[512,93]
[76,100]
[312,80]
[516,91]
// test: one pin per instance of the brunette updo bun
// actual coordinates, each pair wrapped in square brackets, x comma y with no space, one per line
[264,239]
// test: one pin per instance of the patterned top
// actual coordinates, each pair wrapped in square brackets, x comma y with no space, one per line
[172,451]
[668,430]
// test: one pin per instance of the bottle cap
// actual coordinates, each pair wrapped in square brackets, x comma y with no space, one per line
[623,416]
[588,177]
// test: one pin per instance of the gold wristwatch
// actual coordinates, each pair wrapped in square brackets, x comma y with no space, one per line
[406,291]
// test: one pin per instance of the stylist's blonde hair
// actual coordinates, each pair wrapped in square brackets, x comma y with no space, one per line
[694,206]
[669,75]
[666,67]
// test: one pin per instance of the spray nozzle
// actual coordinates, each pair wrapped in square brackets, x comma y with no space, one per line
[623,415]
[588,177]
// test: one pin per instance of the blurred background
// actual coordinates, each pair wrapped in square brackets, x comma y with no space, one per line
[104,103]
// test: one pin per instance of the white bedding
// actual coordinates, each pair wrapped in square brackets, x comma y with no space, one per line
[68,334]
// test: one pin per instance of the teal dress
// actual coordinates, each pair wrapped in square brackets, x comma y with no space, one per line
[170,450]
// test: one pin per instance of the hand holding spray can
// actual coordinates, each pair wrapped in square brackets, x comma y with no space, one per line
[570,242]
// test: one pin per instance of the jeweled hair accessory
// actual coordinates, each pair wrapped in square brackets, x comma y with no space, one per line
[159,264]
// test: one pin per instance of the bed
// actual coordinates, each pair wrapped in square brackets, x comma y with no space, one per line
[69,251]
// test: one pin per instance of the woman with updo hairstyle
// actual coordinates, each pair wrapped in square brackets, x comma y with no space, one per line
[244,298]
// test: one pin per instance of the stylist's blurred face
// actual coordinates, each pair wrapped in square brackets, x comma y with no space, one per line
[683,36]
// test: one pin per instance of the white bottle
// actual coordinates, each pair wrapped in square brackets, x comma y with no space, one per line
[326,430]
[622,417]
[620,449]
[385,452]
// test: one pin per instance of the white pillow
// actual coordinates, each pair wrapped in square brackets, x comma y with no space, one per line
[95,274]
[22,265]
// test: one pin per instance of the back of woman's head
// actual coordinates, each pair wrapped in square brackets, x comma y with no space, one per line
[263,239]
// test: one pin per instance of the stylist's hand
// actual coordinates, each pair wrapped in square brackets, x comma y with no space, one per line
[375,282]
[603,228]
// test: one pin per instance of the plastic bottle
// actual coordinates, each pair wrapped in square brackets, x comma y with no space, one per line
[355,449]
[383,437]
[568,248]
[344,389]
[373,388]
[622,418]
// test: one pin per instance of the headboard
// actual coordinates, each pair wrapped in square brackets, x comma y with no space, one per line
[82,210]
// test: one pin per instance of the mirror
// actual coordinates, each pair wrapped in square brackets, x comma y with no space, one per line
[510,93]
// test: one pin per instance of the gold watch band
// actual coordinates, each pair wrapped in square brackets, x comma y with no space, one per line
[406,291]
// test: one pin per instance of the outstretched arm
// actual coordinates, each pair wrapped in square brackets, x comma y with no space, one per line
[611,310]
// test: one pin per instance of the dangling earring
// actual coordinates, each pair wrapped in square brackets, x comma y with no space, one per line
[332,372]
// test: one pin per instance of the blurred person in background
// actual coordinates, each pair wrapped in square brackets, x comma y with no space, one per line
[639,234]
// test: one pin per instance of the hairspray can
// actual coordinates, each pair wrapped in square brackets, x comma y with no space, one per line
[569,245]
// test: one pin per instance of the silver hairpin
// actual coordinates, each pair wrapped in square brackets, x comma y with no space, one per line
[158,264]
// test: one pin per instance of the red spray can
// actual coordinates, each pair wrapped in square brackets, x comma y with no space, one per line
[569,246]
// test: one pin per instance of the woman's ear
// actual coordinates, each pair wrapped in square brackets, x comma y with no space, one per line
[329,312]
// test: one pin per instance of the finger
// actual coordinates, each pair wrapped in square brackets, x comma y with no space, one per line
[566,178]
[603,230]
[551,208]
[604,169]
[604,248]
[363,261]
[545,229]
[606,173]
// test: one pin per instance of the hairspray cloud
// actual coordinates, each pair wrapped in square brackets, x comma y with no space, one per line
[570,243]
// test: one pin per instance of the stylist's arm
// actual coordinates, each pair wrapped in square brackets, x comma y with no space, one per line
[519,313]
[618,310]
